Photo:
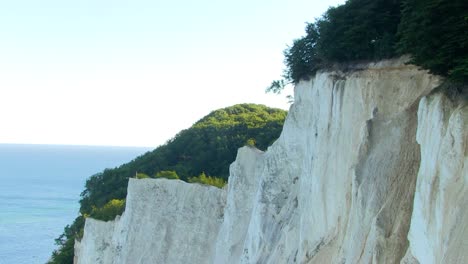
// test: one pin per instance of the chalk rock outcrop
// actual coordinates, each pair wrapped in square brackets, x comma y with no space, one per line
[439,223]
[370,168]
[165,221]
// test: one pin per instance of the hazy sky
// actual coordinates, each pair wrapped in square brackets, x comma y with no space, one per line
[134,73]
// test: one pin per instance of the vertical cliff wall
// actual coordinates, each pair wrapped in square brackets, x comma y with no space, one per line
[165,221]
[370,168]
[439,223]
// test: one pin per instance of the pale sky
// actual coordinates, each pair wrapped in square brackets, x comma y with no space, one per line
[136,72]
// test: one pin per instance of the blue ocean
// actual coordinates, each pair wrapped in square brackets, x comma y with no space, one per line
[40,187]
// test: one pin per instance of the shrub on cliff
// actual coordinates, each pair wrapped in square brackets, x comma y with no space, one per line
[109,211]
[142,176]
[207,180]
[171,175]
[66,242]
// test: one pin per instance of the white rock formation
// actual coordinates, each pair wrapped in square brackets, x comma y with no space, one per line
[358,175]
[165,221]
[439,224]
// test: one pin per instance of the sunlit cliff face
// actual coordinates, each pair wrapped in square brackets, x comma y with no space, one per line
[370,168]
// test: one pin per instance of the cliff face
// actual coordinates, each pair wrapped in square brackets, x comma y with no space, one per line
[439,223]
[164,222]
[369,168]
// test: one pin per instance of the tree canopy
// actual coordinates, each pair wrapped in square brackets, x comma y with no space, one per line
[432,32]
[435,33]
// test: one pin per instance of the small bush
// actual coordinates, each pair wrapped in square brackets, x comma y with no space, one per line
[172,175]
[109,211]
[142,176]
[207,180]
[250,142]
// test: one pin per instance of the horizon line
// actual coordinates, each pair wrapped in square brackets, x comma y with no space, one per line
[78,145]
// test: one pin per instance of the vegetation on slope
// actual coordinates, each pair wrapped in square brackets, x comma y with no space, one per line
[200,154]
[207,180]
[433,32]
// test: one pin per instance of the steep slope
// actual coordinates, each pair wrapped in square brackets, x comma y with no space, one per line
[439,223]
[337,186]
[370,168]
[189,221]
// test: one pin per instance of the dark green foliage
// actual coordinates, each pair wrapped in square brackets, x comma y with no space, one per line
[66,242]
[357,30]
[303,57]
[65,254]
[276,86]
[435,33]
[210,145]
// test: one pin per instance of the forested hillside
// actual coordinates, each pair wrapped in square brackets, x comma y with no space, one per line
[200,154]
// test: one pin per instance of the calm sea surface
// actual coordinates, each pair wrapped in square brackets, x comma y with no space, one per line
[39,192]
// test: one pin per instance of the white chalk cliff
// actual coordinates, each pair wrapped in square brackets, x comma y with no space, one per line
[370,167]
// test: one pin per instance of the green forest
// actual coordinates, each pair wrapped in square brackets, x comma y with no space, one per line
[432,32]
[200,155]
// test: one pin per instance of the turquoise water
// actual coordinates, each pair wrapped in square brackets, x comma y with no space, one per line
[39,192]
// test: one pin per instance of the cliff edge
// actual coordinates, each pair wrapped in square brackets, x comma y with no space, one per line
[370,168]
[165,221]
